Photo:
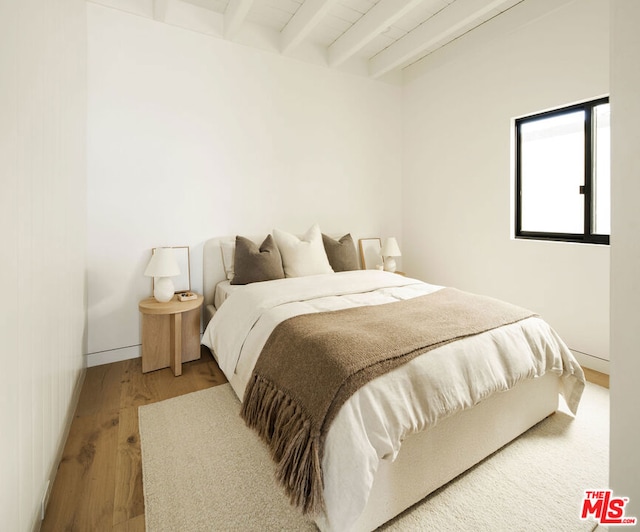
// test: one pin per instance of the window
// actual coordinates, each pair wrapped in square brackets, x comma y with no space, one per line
[563,177]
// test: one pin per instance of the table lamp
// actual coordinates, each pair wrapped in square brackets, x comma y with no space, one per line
[162,267]
[390,250]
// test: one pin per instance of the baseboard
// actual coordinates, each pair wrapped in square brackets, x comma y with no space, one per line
[591,362]
[71,411]
[134,351]
[113,355]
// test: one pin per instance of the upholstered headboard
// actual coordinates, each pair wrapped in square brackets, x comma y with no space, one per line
[213,272]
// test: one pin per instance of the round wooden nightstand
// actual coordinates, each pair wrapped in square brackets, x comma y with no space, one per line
[170,333]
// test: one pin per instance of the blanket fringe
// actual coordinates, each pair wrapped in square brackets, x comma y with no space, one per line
[286,429]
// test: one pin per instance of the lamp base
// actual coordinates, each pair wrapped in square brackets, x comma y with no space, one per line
[163,289]
[389,264]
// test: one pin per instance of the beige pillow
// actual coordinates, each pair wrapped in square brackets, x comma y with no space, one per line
[302,256]
[228,251]
[341,253]
[253,264]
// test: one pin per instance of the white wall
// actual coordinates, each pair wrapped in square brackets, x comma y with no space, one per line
[625,254]
[458,218]
[191,137]
[42,225]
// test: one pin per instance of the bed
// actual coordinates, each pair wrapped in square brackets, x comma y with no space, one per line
[379,460]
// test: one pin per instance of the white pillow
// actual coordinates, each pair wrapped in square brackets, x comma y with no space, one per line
[302,256]
[228,256]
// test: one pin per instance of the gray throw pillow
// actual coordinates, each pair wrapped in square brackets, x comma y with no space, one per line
[252,264]
[341,253]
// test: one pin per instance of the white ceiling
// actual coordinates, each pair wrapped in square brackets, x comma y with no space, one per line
[374,37]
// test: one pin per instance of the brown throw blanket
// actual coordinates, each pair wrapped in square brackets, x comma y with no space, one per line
[311,364]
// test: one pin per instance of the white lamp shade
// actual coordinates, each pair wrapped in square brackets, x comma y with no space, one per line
[162,266]
[163,263]
[391,248]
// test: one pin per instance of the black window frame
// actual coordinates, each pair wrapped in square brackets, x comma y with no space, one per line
[588,236]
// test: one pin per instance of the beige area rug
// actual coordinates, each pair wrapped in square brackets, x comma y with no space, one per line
[203,470]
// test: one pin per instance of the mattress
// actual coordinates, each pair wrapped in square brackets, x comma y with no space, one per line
[223,290]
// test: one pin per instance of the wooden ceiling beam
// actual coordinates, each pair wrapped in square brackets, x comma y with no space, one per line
[308,16]
[160,10]
[234,16]
[384,14]
[442,25]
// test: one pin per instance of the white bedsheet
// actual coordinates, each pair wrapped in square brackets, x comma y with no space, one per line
[223,291]
[373,422]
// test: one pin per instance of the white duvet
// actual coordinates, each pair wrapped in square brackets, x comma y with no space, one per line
[373,422]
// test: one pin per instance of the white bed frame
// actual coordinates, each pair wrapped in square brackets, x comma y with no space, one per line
[430,459]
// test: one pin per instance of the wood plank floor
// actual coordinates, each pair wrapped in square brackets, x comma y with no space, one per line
[98,485]
[99,481]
